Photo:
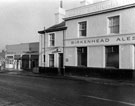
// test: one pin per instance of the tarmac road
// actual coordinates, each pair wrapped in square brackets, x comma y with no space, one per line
[16,90]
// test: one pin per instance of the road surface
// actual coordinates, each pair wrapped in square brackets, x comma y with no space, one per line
[16,90]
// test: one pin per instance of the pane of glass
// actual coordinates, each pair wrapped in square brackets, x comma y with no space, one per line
[52,36]
[82,28]
[114,24]
[83,32]
[112,56]
[51,60]
[82,56]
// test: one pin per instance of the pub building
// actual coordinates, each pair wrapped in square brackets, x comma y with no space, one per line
[51,44]
[101,35]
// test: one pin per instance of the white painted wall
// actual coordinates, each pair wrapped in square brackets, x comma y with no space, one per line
[96,56]
[98,26]
[70,57]
[126,56]
[50,50]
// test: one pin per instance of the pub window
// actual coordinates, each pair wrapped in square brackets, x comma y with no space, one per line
[51,60]
[114,25]
[52,39]
[112,56]
[82,28]
[82,56]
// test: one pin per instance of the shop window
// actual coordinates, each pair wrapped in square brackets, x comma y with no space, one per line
[114,25]
[51,60]
[82,56]
[52,39]
[82,28]
[112,56]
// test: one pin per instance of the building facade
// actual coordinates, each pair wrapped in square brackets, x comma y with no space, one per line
[52,41]
[22,56]
[51,46]
[101,35]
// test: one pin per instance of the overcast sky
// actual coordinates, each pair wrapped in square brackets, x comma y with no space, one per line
[20,20]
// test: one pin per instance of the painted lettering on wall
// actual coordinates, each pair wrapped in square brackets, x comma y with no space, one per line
[88,41]
[104,40]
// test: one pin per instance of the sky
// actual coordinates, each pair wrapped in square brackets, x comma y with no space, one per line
[20,20]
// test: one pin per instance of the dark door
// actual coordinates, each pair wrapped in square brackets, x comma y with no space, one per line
[60,60]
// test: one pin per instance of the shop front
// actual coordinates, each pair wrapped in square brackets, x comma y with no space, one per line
[110,52]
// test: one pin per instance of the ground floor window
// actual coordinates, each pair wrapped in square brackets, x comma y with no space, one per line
[112,56]
[82,56]
[51,60]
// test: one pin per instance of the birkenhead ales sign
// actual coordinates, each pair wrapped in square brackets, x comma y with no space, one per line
[110,40]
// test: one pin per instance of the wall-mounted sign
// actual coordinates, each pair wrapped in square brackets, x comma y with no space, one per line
[110,40]
[56,50]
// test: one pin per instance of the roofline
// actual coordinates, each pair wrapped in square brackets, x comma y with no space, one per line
[100,12]
[41,32]
[52,30]
[57,29]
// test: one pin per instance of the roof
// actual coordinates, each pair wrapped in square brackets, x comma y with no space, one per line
[98,8]
[57,27]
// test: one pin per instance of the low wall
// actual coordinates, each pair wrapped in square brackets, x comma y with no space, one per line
[99,72]
[89,72]
[49,70]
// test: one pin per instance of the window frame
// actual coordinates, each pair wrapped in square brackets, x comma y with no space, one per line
[82,29]
[111,28]
[82,61]
[112,50]
[52,39]
[51,60]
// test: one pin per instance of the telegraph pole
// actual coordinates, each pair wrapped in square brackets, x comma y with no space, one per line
[44,47]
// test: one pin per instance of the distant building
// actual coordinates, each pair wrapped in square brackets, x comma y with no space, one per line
[22,56]
[2,59]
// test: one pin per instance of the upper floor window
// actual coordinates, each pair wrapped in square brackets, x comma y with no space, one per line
[114,25]
[52,39]
[82,28]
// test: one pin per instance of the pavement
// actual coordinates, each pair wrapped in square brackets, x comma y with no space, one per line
[76,78]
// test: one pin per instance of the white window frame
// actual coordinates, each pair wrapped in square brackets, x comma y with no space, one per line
[50,45]
[79,28]
[53,60]
[108,24]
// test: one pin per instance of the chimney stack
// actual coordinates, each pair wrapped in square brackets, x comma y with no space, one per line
[86,2]
[60,14]
[61,4]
